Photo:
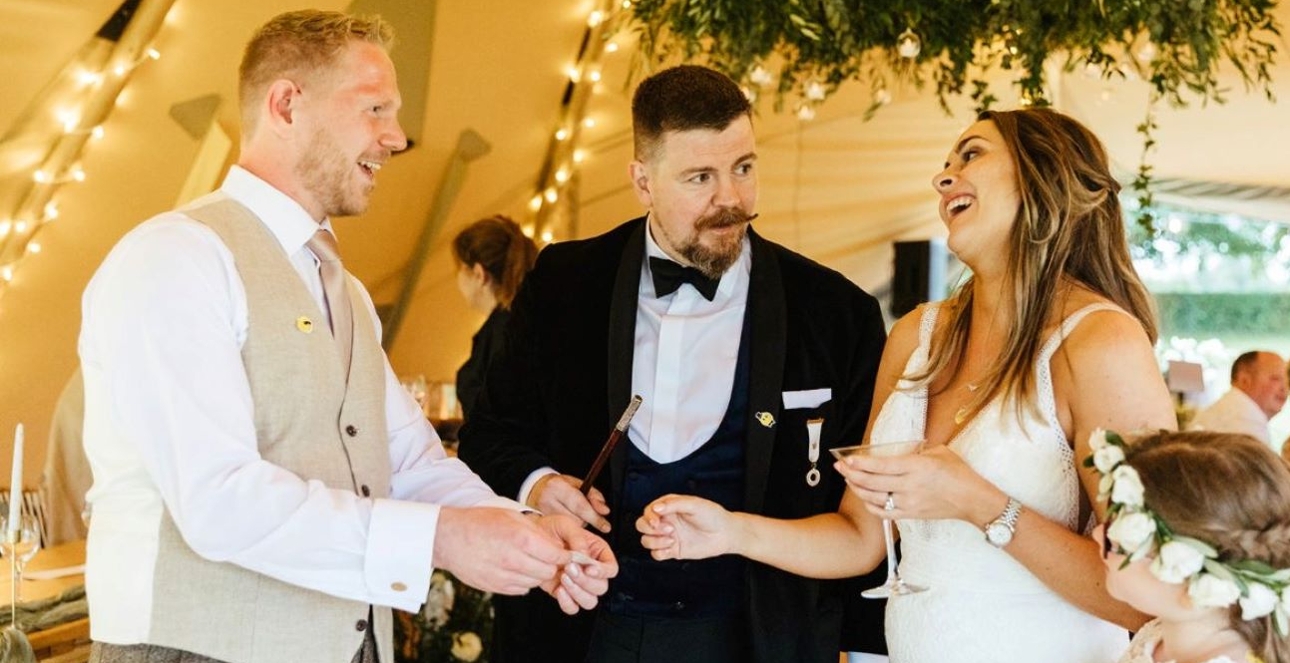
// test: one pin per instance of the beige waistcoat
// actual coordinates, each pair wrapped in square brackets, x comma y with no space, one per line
[308,421]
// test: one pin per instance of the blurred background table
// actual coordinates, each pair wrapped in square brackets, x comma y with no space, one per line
[55,572]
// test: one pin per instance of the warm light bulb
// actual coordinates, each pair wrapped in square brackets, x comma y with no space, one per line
[595,18]
[561,134]
[552,195]
[594,75]
[547,236]
[51,211]
[20,227]
[67,118]
[579,156]
[528,231]
[611,47]
[806,113]
[120,70]
[33,247]
[88,78]
[4,228]
[562,175]
[153,54]
[41,177]
[97,132]
[535,204]
[78,174]
[589,123]
[573,73]
[7,273]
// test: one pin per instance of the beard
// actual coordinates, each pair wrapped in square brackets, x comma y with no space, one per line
[713,261]
[328,175]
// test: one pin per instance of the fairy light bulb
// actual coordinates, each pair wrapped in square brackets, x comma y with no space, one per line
[551,195]
[562,175]
[547,236]
[535,204]
[33,247]
[562,134]
[908,44]
[51,211]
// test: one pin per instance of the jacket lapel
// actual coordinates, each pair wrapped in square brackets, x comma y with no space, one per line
[622,342]
[767,308]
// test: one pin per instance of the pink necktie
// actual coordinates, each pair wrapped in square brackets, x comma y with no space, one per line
[323,245]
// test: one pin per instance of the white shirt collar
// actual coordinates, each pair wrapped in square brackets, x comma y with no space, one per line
[281,214]
[731,278]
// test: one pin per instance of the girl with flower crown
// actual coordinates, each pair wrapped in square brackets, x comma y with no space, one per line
[1198,533]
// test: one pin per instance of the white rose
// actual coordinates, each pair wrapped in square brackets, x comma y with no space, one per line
[1133,532]
[1128,488]
[1210,591]
[1104,487]
[466,646]
[1177,562]
[1106,458]
[1097,441]
[1261,601]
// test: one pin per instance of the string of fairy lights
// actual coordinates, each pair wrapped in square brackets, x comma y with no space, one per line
[63,122]
[552,202]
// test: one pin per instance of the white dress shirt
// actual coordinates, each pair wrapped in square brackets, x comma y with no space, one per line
[1234,412]
[169,425]
[686,349]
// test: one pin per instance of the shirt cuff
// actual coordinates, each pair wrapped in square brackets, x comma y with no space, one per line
[527,486]
[400,545]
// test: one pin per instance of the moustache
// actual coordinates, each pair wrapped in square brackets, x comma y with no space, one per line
[724,218]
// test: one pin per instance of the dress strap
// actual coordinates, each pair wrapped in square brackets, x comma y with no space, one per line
[927,325]
[1043,365]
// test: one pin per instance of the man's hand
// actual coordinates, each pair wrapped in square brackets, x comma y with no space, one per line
[498,550]
[587,577]
[559,494]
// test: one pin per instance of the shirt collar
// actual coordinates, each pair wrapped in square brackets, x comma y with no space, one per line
[281,214]
[734,276]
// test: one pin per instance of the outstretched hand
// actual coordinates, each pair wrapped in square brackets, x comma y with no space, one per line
[586,577]
[686,527]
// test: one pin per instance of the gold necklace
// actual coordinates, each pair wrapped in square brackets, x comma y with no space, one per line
[965,411]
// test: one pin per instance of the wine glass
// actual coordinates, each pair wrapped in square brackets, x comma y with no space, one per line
[19,546]
[895,585]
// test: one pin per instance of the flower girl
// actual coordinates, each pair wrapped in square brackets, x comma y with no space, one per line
[1197,533]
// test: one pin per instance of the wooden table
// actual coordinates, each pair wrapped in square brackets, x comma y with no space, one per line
[64,643]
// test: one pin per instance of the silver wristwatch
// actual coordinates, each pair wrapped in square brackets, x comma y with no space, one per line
[1000,530]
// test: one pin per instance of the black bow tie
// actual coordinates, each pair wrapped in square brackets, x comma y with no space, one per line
[668,277]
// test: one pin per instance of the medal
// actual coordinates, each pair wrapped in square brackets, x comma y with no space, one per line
[813,427]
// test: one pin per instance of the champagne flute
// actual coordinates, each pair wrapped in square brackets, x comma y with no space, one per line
[895,585]
[19,546]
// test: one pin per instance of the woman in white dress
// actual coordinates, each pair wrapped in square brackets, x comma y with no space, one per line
[1050,339]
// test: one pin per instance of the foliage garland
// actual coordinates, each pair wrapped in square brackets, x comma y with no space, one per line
[1177,46]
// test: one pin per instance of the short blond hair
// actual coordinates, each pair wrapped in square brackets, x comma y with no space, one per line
[298,45]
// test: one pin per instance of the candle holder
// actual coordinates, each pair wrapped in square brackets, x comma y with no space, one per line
[14,645]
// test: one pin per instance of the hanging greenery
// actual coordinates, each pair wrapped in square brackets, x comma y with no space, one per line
[1177,46]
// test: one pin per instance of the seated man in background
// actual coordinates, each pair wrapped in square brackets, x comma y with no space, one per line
[1258,393]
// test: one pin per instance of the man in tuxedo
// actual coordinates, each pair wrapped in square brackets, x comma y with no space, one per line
[737,346]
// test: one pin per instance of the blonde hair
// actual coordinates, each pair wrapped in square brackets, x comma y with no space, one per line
[1069,225]
[501,247]
[1230,491]
[299,45]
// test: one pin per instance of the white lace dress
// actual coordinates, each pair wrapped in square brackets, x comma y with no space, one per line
[1143,649]
[982,606]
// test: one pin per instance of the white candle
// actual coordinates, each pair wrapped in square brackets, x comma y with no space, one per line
[15,483]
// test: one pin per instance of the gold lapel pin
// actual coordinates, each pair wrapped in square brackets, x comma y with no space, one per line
[305,324]
[766,419]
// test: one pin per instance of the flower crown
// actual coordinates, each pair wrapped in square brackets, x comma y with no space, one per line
[1136,531]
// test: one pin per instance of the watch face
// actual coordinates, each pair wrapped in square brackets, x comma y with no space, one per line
[998,534]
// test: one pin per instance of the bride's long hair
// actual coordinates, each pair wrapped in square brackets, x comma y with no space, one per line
[1069,227]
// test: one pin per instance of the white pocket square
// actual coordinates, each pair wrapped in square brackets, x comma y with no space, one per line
[806,398]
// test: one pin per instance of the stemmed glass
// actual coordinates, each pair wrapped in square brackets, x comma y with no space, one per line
[895,585]
[19,546]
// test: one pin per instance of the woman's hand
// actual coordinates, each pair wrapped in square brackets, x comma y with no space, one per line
[934,484]
[686,527]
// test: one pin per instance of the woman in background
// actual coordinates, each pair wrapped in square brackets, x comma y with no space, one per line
[493,255]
